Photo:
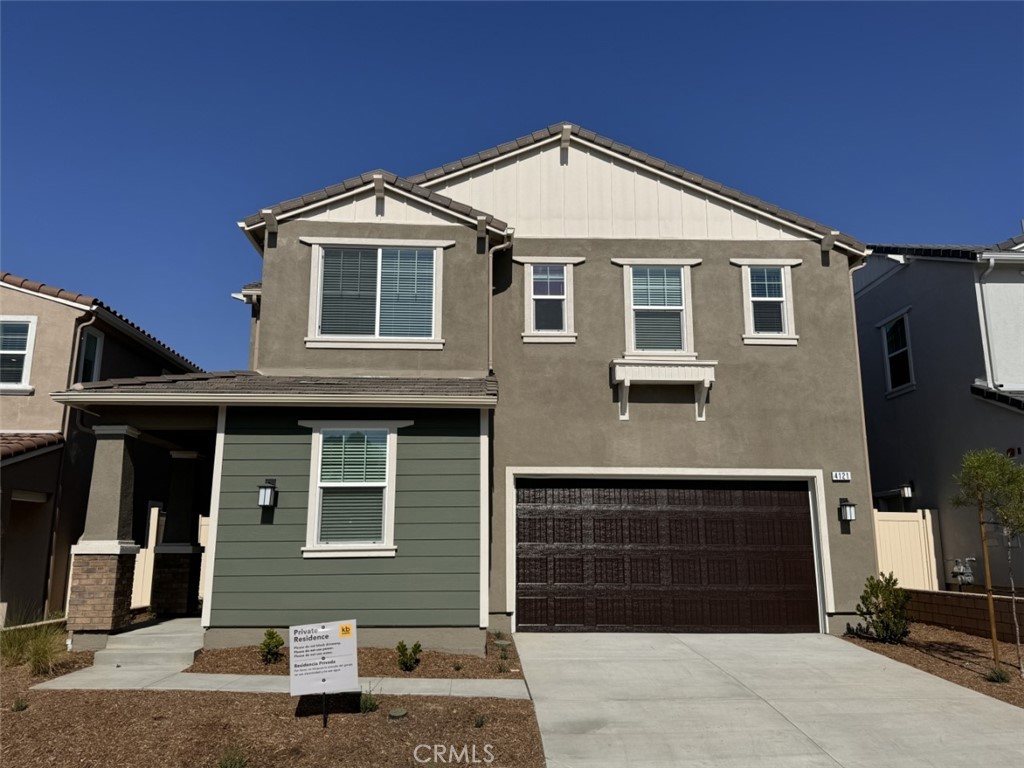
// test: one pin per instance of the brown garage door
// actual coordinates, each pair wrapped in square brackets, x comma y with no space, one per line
[649,556]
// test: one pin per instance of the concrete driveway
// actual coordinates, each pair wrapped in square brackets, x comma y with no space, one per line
[753,700]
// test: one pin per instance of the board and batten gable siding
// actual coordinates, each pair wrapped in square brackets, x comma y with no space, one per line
[260,577]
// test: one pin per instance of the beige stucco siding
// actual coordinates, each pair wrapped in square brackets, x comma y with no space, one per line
[51,355]
[584,192]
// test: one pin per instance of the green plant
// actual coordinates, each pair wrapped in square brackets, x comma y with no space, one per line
[502,667]
[998,675]
[503,654]
[19,705]
[498,635]
[368,702]
[14,646]
[45,650]
[457,666]
[270,648]
[232,757]
[479,722]
[883,606]
[408,659]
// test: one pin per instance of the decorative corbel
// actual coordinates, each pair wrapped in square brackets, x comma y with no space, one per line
[624,400]
[827,243]
[270,219]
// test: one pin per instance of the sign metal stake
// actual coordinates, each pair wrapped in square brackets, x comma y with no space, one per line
[324,694]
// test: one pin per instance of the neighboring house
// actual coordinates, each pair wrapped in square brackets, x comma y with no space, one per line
[677,368]
[941,331]
[51,338]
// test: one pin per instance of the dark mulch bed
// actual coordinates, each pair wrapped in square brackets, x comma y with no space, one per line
[374,662]
[955,656]
[125,729]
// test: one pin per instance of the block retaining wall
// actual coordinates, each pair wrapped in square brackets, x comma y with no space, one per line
[964,612]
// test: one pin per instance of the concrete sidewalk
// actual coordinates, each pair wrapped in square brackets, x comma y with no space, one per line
[734,701]
[171,678]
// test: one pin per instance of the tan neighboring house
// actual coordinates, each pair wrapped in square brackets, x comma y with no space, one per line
[556,386]
[51,338]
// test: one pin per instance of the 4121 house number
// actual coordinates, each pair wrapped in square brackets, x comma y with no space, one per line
[842,477]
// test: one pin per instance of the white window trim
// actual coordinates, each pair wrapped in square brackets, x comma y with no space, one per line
[24,387]
[689,351]
[568,336]
[787,338]
[314,339]
[911,385]
[81,355]
[387,548]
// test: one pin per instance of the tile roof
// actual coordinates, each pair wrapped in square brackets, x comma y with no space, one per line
[367,178]
[91,302]
[636,155]
[17,443]
[252,385]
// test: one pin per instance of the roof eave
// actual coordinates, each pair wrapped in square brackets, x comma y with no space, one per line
[80,399]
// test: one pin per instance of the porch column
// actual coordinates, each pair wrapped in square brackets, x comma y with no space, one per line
[103,561]
[177,557]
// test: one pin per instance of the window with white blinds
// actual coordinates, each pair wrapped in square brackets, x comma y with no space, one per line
[17,335]
[768,317]
[352,489]
[372,292]
[658,310]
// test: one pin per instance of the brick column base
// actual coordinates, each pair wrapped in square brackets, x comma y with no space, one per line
[101,592]
[175,583]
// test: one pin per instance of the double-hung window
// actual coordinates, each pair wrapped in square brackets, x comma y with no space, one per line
[659,319]
[375,294]
[549,299]
[899,371]
[768,301]
[17,338]
[352,489]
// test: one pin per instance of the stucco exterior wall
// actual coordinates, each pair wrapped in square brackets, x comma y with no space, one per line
[51,358]
[920,436]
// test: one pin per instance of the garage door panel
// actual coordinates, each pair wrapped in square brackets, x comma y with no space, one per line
[679,556]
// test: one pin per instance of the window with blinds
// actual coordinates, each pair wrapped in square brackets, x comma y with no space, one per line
[767,299]
[549,295]
[353,483]
[15,345]
[657,296]
[377,292]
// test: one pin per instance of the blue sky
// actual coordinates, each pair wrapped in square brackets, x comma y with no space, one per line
[134,135]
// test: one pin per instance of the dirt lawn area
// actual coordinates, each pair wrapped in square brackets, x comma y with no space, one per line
[955,656]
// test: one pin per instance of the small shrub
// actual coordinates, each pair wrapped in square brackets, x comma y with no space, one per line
[270,648]
[45,648]
[883,606]
[232,758]
[408,659]
[14,646]
[502,667]
[479,722]
[368,702]
[998,675]
[498,635]
[503,655]
[19,705]
[457,666]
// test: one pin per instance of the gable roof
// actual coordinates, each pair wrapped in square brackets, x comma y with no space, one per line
[549,134]
[20,443]
[253,388]
[255,224]
[92,304]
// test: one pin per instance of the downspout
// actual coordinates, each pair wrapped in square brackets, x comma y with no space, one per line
[490,297]
[983,324]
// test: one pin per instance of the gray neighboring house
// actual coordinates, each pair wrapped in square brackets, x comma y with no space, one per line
[557,385]
[941,331]
[51,338]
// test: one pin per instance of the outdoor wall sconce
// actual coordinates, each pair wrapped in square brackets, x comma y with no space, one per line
[268,494]
[847,510]
[906,490]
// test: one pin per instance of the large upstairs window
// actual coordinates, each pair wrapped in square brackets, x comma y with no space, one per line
[659,315]
[17,338]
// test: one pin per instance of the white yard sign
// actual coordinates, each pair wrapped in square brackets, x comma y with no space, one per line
[322,658]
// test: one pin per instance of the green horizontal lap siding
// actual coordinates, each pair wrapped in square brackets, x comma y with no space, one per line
[260,577]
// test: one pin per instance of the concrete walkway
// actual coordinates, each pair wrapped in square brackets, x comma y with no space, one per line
[733,701]
[152,658]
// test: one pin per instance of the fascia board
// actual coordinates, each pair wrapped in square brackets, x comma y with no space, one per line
[78,399]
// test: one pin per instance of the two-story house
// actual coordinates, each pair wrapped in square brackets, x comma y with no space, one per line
[558,385]
[51,338]
[941,331]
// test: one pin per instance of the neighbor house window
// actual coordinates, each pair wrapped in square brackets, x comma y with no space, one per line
[768,301]
[17,338]
[386,294]
[352,489]
[659,317]
[898,366]
[90,355]
[549,299]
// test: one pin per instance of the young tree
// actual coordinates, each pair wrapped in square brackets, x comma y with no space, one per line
[993,484]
